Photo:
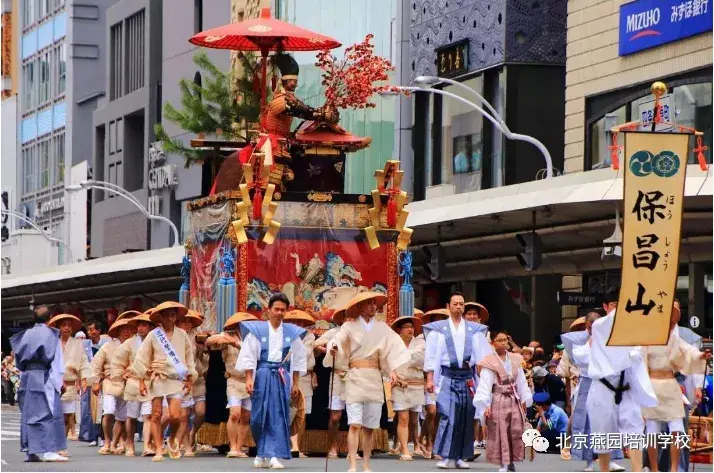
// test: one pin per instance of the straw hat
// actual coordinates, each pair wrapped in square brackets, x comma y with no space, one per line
[482,311]
[235,319]
[194,317]
[76,323]
[129,314]
[399,321]
[418,313]
[436,314]
[156,314]
[578,324]
[299,316]
[145,317]
[338,317]
[352,308]
[116,327]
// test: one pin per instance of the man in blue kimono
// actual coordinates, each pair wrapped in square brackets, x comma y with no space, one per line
[38,356]
[89,431]
[453,347]
[273,358]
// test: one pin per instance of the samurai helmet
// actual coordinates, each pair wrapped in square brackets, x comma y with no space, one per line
[289,68]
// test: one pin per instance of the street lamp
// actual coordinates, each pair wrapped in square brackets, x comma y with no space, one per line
[495,119]
[34,225]
[118,190]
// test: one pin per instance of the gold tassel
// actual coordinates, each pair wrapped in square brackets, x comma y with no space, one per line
[272,232]
[404,238]
[240,231]
[372,237]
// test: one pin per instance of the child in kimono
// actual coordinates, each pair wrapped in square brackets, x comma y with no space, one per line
[408,392]
[502,397]
[374,350]
[136,405]
[273,358]
[453,347]
[307,382]
[475,312]
[38,356]
[340,363]
[166,360]
[239,404]
[112,387]
[195,401]
[76,367]
[663,362]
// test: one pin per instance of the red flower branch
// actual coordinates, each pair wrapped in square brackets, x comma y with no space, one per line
[351,82]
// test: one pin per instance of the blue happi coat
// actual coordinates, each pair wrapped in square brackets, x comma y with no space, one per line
[38,357]
[581,441]
[454,403]
[269,417]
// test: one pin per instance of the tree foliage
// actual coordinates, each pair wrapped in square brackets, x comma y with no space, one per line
[223,104]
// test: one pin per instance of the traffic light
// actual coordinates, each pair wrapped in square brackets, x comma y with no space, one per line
[435,263]
[532,256]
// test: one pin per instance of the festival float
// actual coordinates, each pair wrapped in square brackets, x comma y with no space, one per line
[278,219]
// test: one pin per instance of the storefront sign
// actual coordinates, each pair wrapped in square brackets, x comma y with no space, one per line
[578,298]
[453,59]
[666,114]
[655,168]
[162,177]
[50,205]
[645,24]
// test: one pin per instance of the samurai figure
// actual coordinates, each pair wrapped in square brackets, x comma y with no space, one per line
[280,112]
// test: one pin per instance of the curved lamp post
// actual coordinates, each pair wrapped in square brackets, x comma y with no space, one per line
[34,225]
[118,190]
[495,119]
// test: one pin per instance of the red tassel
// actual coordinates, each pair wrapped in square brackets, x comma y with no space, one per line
[274,83]
[257,204]
[391,212]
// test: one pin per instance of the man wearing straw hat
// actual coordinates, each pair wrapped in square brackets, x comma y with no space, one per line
[340,364]
[373,349]
[307,382]
[453,347]
[195,401]
[273,357]
[38,357]
[112,387]
[239,405]
[136,405]
[76,366]
[408,392]
[166,359]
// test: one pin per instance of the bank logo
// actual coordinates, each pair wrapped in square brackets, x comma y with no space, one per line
[665,164]
[642,24]
[533,438]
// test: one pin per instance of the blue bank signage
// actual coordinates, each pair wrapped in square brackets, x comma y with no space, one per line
[646,24]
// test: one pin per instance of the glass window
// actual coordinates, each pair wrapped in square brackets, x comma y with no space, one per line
[61,61]
[59,159]
[28,85]
[461,140]
[112,177]
[120,134]
[112,137]
[692,108]
[28,12]
[44,62]
[28,171]
[44,148]
[44,8]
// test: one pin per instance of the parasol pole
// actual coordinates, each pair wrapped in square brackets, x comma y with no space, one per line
[263,76]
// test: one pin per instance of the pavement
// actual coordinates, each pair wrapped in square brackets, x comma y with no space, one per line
[85,458]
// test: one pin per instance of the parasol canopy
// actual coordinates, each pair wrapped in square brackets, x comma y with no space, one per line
[263,34]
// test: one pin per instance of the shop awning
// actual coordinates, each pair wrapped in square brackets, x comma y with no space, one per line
[573,215]
[98,282]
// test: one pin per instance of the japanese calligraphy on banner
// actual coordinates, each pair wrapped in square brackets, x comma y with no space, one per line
[654,192]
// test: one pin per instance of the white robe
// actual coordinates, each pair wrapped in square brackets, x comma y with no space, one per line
[250,352]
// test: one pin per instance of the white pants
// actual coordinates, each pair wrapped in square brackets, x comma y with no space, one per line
[136,409]
[656,426]
[308,405]
[337,404]
[187,402]
[606,417]
[197,399]
[115,406]
[244,403]
[69,407]
[366,414]
[396,407]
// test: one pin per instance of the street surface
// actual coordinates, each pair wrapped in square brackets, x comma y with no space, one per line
[85,458]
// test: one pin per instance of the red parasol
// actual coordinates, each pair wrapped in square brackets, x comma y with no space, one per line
[263,34]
